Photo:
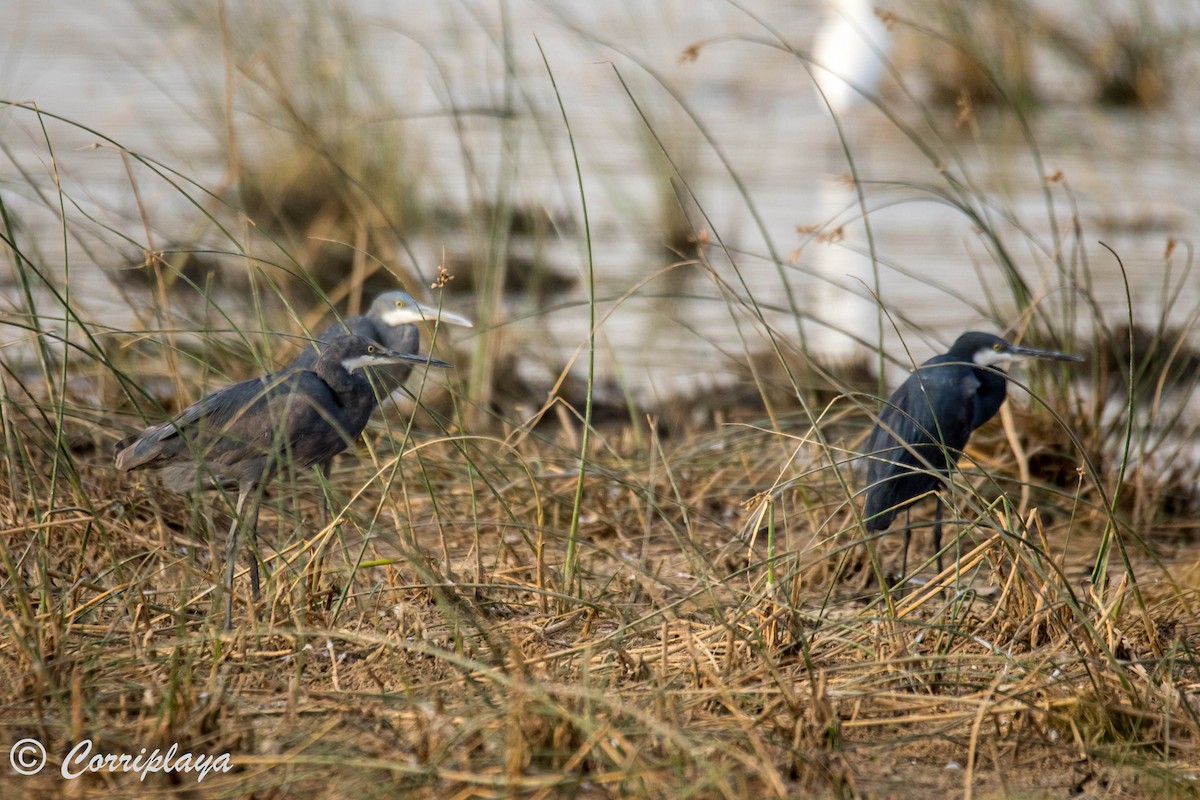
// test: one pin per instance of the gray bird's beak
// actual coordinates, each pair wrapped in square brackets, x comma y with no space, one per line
[434,314]
[1021,351]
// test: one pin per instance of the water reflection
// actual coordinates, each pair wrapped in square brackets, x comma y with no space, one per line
[758,161]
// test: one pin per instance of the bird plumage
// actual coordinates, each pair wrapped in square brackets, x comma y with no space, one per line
[246,433]
[917,439]
[391,320]
[924,426]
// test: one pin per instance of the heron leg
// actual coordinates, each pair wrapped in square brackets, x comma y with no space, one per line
[252,535]
[937,532]
[231,552]
[326,468]
[328,515]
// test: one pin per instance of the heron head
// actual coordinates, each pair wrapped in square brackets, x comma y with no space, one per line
[988,350]
[394,309]
[355,352]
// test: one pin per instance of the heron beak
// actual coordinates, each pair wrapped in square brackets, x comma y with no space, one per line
[392,357]
[1020,351]
[446,316]
[387,357]
[420,312]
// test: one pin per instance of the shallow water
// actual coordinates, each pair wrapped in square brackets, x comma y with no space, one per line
[117,68]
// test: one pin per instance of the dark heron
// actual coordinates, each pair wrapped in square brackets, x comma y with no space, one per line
[392,321]
[245,433]
[924,426]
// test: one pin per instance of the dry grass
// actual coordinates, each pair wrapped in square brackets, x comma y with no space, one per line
[718,632]
[719,644]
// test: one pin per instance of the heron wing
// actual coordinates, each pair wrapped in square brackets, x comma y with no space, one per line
[921,431]
[313,422]
[234,419]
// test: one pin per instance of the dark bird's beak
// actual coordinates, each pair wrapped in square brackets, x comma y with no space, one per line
[1020,351]
[387,357]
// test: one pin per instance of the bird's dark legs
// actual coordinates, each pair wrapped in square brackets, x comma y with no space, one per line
[326,468]
[250,525]
[937,538]
[231,550]
[937,532]
[328,515]
[252,532]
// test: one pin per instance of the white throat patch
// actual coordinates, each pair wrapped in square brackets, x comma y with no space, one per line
[394,317]
[990,358]
[358,362]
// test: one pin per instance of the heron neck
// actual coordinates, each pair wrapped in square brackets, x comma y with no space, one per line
[993,388]
[402,339]
[344,384]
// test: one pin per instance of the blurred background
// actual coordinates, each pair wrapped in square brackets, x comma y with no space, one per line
[198,165]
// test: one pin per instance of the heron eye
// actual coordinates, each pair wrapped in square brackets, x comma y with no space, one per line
[370,348]
[997,347]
